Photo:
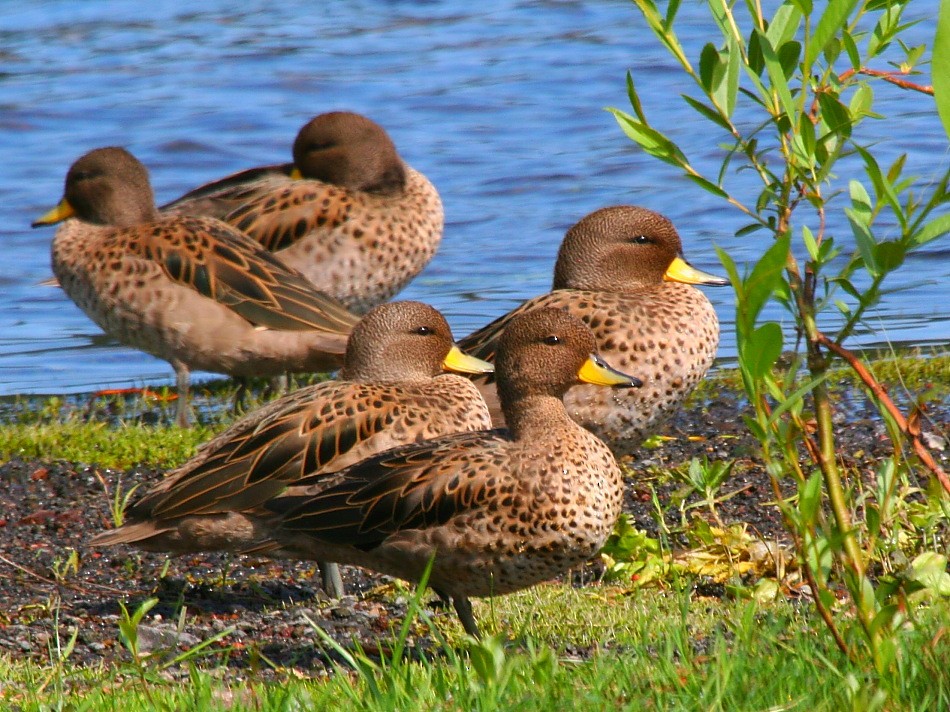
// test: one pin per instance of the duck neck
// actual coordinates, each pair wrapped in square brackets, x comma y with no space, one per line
[534,416]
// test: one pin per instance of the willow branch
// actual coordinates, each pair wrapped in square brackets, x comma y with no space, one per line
[892,77]
[910,431]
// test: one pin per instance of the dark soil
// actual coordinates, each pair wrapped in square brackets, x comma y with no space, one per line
[48,510]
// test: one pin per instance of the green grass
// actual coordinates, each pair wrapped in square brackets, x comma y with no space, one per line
[122,446]
[654,650]
[919,372]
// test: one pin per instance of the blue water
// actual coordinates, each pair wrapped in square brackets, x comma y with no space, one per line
[499,102]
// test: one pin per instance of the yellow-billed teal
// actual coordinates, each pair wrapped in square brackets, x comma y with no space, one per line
[498,510]
[348,212]
[393,391]
[621,271]
[193,291]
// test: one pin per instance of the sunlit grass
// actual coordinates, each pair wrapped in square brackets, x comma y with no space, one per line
[553,647]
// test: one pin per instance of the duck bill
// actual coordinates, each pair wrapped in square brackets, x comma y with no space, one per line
[463,363]
[599,373]
[61,212]
[295,174]
[682,271]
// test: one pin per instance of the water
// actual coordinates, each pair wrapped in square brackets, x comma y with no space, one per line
[500,103]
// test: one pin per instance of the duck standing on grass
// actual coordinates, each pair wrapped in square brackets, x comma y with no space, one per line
[190,290]
[348,213]
[498,510]
[393,391]
[621,271]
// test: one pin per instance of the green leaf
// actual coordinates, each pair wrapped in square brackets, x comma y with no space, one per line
[852,49]
[889,255]
[707,185]
[710,68]
[634,98]
[897,167]
[784,23]
[833,19]
[861,101]
[758,432]
[651,140]
[766,278]
[806,130]
[729,89]
[749,229]
[705,111]
[788,54]
[810,243]
[835,114]
[761,349]
[777,77]
[756,61]
[729,265]
[864,239]
[832,51]
[860,198]
[938,227]
[809,497]
[882,184]
[671,11]
[887,26]
[940,65]
[930,569]
[803,6]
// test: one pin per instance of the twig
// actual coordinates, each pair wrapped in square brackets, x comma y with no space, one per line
[58,584]
[892,77]
[910,430]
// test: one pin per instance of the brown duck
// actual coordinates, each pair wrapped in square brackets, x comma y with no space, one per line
[498,510]
[393,391]
[348,213]
[621,271]
[193,291]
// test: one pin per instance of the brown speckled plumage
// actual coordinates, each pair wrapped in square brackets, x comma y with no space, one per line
[192,291]
[393,391]
[360,224]
[610,273]
[501,510]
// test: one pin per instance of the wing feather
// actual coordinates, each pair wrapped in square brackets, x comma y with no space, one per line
[227,266]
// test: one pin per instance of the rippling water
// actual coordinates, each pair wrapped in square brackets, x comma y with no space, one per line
[499,102]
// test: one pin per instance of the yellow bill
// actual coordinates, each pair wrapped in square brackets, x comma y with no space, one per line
[295,174]
[596,371]
[463,363]
[61,212]
[682,271]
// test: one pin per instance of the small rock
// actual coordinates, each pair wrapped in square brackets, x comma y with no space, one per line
[933,441]
[152,637]
[343,611]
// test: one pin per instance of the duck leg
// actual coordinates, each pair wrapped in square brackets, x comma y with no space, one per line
[464,609]
[182,382]
[332,581]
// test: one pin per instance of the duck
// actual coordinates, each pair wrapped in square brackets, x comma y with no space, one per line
[398,385]
[621,270]
[490,512]
[348,212]
[192,291]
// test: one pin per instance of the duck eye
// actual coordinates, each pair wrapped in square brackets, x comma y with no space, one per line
[423,331]
[552,340]
[640,240]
